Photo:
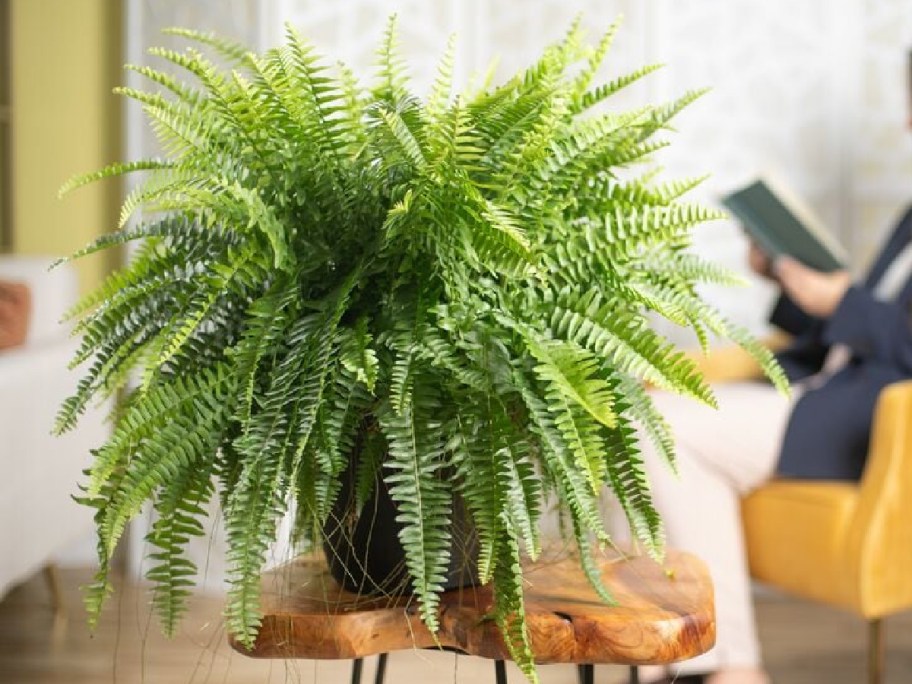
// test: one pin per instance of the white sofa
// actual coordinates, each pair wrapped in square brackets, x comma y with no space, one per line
[40,472]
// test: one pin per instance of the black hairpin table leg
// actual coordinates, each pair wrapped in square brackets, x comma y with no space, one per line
[357,665]
[381,669]
[634,674]
[500,672]
[586,673]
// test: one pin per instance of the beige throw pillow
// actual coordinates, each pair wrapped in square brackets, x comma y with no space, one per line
[15,310]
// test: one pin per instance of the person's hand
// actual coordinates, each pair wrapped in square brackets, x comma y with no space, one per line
[759,261]
[817,293]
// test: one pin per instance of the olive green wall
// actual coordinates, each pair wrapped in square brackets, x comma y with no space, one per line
[66,58]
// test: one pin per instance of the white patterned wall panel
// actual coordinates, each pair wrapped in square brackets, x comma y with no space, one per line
[351,30]
[776,105]
[882,158]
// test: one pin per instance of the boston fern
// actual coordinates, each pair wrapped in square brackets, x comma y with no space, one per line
[461,287]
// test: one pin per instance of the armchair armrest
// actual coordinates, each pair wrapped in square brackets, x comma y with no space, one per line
[881,534]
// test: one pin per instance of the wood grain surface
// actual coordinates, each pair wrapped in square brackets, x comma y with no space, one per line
[663,613]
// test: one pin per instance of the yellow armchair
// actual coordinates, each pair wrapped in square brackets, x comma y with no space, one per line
[844,544]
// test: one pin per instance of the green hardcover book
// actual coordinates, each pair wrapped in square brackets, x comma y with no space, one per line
[780,224]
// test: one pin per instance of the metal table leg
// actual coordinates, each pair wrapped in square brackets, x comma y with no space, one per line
[381,669]
[357,666]
[586,673]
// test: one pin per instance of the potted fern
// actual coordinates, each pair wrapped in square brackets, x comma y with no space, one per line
[440,296]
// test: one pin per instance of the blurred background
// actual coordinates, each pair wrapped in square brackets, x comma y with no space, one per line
[814,92]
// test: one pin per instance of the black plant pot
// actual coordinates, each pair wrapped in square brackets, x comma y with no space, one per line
[363,550]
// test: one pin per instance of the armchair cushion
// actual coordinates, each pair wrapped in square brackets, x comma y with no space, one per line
[796,533]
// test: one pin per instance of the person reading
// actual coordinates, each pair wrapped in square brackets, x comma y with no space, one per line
[850,340]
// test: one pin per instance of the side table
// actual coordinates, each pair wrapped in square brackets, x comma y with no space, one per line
[663,614]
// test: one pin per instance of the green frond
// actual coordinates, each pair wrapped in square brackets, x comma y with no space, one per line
[624,339]
[403,138]
[180,510]
[689,268]
[271,448]
[146,98]
[267,322]
[499,234]
[665,113]
[113,170]
[359,358]
[621,233]
[573,373]
[643,411]
[193,62]
[595,59]
[438,98]
[370,464]
[674,190]
[96,593]
[439,352]
[254,507]
[523,493]
[323,98]
[575,490]
[229,49]
[591,569]
[197,309]
[509,606]
[414,476]
[353,99]
[471,447]
[188,95]
[391,82]
[589,99]
[171,431]
[180,134]
[627,480]
[762,354]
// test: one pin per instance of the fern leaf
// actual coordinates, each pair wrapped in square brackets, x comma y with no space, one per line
[509,606]
[423,499]
[113,170]
[233,51]
[180,509]
[572,373]
[358,357]
[603,92]
[391,77]
[595,59]
[627,479]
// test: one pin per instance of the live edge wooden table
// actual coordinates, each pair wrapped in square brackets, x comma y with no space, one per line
[664,613]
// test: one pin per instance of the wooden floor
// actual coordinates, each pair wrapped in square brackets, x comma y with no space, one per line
[803,644]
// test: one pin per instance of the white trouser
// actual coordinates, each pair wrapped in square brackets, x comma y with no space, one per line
[721,455]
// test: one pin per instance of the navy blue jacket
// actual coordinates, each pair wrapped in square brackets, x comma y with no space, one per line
[830,427]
